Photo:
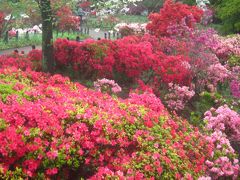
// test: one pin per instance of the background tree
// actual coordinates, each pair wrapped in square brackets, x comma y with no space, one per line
[229,13]
[47,35]
[12,11]
[154,5]
[47,10]
[2,20]
[66,20]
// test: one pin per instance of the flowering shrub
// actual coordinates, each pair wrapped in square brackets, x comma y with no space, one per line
[230,44]
[33,60]
[199,46]
[175,69]
[106,85]
[226,120]
[235,88]
[93,59]
[51,127]
[178,96]
[133,57]
[222,165]
[217,73]
[35,56]
[172,14]
[15,61]
[66,20]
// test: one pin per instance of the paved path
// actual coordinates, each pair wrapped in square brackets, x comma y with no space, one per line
[95,34]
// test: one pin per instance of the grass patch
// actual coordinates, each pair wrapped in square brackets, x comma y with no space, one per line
[36,40]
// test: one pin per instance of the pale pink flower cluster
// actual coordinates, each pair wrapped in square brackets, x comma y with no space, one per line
[222,166]
[106,85]
[224,119]
[217,73]
[205,178]
[178,96]
[228,45]
[136,27]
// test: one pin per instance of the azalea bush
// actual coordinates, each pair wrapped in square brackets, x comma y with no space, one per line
[92,59]
[55,128]
[52,128]
[226,120]
[178,96]
[172,14]
[32,60]
[223,162]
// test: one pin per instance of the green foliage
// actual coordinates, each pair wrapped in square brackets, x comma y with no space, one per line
[205,102]
[234,60]
[3,124]
[153,5]
[229,13]
[189,2]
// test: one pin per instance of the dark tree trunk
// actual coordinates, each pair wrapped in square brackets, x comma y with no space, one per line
[47,36]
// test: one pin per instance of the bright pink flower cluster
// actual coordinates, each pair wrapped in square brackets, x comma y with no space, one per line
[50,126]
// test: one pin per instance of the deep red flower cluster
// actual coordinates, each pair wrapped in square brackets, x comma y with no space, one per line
[91,58]
[172,14]
[35,56]
[131,57]
[53,128]
[33,60]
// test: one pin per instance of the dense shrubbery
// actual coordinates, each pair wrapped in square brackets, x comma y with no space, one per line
[53,128]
